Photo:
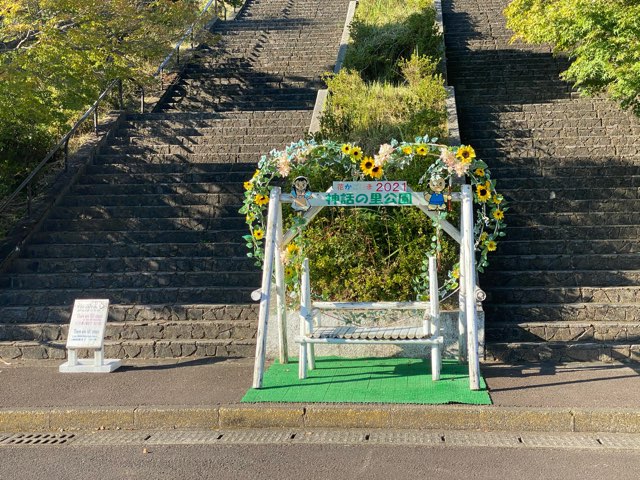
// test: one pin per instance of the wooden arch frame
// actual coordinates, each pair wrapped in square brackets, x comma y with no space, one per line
[276,240]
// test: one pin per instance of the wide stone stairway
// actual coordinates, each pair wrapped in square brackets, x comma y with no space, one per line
[564,285]
[153,223]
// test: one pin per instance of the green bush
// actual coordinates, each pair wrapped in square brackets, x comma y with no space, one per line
[389,88]
[601,36]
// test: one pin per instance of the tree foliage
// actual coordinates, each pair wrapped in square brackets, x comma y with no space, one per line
[57,55]
[602,37]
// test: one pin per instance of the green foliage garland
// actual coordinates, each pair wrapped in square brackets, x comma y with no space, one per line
[340,162]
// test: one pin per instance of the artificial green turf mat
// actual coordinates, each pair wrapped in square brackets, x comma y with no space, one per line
[369,380]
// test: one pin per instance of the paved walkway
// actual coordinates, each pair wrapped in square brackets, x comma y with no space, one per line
[206,394]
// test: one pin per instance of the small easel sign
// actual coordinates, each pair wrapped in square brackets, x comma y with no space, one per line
[86,330]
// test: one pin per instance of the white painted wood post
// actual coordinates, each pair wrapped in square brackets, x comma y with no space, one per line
[434,310]
[265,295]
[462,302]
[305,311]
[281,292]
[311,348]
[470,288]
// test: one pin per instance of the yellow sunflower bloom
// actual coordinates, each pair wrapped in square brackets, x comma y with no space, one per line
[366,165]
[346,149]
[376,172]
[466,154]
[422,150]
[498,214]
[260,199]
[456,272]
[292,248]
[491,246]
[356,153]
[483,193]
[479,172]
[256,173]
[248,185]
[407,150]
[258,234]
[250,218]
[484,236]
[497,199]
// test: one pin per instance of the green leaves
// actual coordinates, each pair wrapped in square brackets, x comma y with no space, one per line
[601,36]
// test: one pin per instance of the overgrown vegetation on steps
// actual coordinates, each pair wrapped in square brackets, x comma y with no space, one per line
[56,57]
[389,88]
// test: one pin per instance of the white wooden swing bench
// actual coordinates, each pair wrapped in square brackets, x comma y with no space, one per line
[312,333]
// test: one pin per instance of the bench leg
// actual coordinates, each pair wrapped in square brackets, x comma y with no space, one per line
[302,361]
[436,362]
[311,355]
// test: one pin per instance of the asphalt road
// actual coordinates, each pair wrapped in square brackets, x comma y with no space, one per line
[301,462]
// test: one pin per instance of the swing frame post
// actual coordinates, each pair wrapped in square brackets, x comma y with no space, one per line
[265,293]
[434,318]
[468,247]
[281,291]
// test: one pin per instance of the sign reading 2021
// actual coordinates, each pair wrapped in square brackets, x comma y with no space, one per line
[361,180]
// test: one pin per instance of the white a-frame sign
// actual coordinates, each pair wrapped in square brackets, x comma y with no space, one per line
[358,194]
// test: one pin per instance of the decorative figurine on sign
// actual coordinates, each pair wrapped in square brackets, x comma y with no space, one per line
[300,194]
[437,198]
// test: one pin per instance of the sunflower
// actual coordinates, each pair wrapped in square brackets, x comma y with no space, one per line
[256,173]
[498,214]
[407,150]
[479,172]
[376,172]
[455,273]
[466,154]
[422,150]
[484,236]
[491,246]
[250,217]
[356,153]
[497,199]
[346,149]
[258,234]
[483,193]
[261,199]
[292,248]
[289,271]
[366,165]
[248,185]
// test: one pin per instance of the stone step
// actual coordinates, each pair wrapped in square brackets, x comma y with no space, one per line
[220,183]
[504,173]
[140,237]
[564,295]
[144,295]
[225,203]
[572,262]
[575,312]
[559,183]
[244,157]
[196,217]
[148,188]
[260,118]
[574,232]
[566,246]
[573,219]
[141,349]
[561,352]
[131,264]
[596,332]
[128,249]
[155,330]
[229,129]
[161,312]
[197,149]
[560,205]
[521,278]
[129,280]
[190,142]
[123,168]
[149,200]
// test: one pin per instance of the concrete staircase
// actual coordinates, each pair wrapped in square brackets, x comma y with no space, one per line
[564,285]
[153,223]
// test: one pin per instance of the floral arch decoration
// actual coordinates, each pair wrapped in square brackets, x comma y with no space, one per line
[451,166]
